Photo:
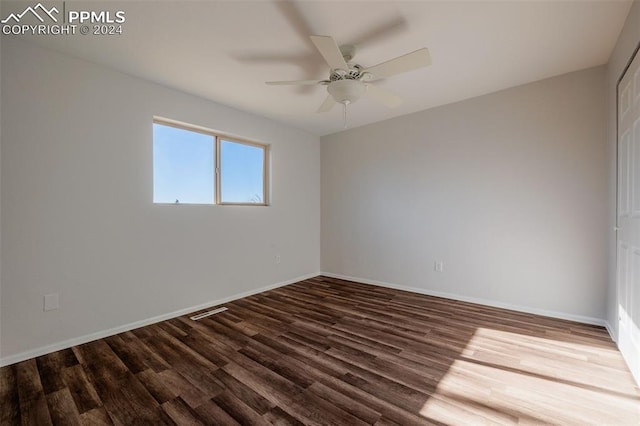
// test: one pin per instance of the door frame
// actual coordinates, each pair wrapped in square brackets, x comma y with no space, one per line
[617,154]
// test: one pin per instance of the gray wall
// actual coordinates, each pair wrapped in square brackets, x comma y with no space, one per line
[77,211]
[509,190]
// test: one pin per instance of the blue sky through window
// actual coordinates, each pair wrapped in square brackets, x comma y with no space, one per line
[241,173]
[183,166]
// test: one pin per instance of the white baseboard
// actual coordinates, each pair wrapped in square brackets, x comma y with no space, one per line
[486,302]
[612,333]
[22,356]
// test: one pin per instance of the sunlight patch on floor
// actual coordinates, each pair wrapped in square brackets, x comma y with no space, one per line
[505,377]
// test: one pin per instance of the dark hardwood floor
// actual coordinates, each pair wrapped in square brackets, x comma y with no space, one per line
[326,351]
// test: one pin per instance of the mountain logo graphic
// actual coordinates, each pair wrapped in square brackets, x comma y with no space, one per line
[34,11]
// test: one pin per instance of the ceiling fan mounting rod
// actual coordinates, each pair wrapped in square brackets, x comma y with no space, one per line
[348,52]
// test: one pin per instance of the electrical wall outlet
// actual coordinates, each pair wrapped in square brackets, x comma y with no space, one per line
[277,259]
[51,302]
[438,266]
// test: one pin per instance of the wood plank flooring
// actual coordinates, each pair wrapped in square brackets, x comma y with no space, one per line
[326,351]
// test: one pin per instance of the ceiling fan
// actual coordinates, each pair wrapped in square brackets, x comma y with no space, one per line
[348,81]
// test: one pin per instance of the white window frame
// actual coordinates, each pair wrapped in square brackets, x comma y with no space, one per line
[218,137]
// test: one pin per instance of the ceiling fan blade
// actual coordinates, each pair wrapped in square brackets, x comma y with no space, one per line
[291,12]
[384,96]
[330,51]
[294,83]
[328,103]
[381,31]
[269,58]
[409,62]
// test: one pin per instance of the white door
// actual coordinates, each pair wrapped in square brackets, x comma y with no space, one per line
[629,216]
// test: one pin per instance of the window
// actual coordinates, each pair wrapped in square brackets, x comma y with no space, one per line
[183,166]
[241,172]
[196,166]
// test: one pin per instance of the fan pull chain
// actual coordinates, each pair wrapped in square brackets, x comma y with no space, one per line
[344,116]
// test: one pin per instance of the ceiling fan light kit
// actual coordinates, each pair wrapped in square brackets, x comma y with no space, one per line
[346,91]
[348,81]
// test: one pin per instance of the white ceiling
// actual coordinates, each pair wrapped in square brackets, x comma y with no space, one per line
[225,51]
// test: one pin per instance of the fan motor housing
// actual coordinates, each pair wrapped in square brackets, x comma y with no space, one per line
[353,73]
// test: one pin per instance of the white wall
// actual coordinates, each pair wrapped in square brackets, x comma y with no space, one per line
[509,190]
[77,211]
[627,42]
